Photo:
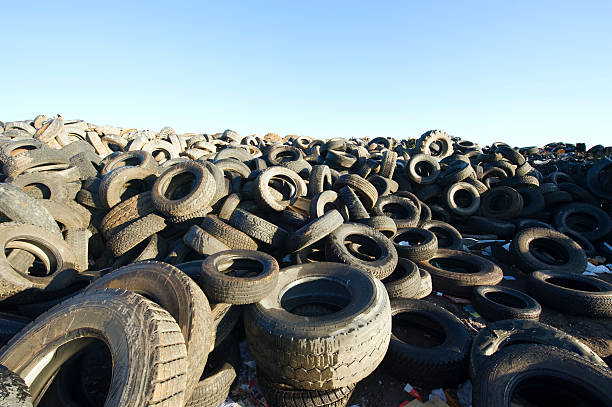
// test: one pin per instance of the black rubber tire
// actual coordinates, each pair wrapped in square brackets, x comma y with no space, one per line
[51,250]
[203,242]
[69,215]
[533,201]
[258,228]
[130,235]
[598,226]
[511,332]
[426,287]
[501,203]
[473,271]
[563,254]
[280,395]
[222,369]
[220,286]
[367,193]
[314,231]
[442,365]
[422,244]
[232,237]
[568,379]
[146,344]
[349,343]
[127,211]
[42,185]
[496,302]
[199,196]
[16,205]
[438,137]
[124,183]
[320,180]
[383,252]
[266,198]
[599,172]
[383,224]
[13,390]
[171,289]
[457,208]
[415,171]
[402,210]
[448,237]
[35,160]
[355,208]
[572,293]
[137,158]
[405,281]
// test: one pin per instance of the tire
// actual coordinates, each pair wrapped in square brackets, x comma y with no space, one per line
[241,287]
[42,185]
[426,287]
[355,208]
[203,242]
[366,192]
[13,390]
[496,302]
[44,158]
[174,178]
[423,169]
[553,251]
[258,228]
[10,325]
[78,241]
[405,281]
[473,271]
[458,208]
[227,234]
[146,345]
[502,203]
[443,365]
[57,257]
[131,235]
[448,237]
[533,201]
[383,224]
[280,395]
[497,335]
[403,212]
[599,172]
[70,215]
[554,376]
[439,138]
[349,343]
[127,211]
[171,289]
[315,231]
[219,374]
[18,206]
[124,183]
[415,244]
[266,199]
[380,259]
[595,223]
[571,293]
[139,158]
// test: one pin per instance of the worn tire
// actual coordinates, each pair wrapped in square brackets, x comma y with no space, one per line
[324,352]
[496,302]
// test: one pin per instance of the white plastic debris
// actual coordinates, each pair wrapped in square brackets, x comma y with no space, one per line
[509,278]
[591,268]
[437,394]
[507,246]
[404,243]
[464,394]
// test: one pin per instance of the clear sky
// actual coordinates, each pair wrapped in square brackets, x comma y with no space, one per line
[524,72]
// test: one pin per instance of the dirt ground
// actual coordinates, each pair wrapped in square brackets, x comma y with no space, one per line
[382,390]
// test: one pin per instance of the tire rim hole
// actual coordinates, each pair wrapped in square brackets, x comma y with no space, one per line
[363,247]
[38,190]
[418,330]
[463,198]
[542,390]
[548,251]
[572,284]
[180,186]
[581,222]
[84,379]
[453,265]
[409,239]
[395,211]
[44,264]
[506,299]
[315,297]
[241,268]
[399,273]
[424,169]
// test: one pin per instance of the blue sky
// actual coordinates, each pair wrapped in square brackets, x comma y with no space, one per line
[523,72]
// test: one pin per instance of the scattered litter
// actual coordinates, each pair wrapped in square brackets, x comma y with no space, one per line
[470,310]
[439,294]
[412,391]
[404,243]
[597,269]
[511,278]
[457,300]
[437,393]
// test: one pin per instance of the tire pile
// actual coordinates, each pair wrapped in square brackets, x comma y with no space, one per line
[134,262]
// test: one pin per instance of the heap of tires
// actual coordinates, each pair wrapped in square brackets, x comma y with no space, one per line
[134,262]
